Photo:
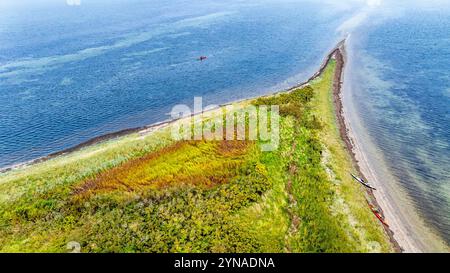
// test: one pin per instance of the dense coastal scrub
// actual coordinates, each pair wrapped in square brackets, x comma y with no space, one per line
[148,193]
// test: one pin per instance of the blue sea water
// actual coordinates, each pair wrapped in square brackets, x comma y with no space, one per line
[72,72]
[69,73]
[402,92]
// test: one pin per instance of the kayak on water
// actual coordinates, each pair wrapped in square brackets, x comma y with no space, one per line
[201,58]
[360,180]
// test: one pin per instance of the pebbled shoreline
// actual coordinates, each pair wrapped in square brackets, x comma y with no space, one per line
[340,57]
[337,54]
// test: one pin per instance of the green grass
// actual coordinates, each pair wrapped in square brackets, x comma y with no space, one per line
[151,194]
[329,212]
[350,200]
[169,218]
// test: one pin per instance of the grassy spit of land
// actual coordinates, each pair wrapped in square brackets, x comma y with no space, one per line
[145,192]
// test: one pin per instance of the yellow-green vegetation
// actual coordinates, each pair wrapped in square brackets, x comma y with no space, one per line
[349,200]
[148,193]
[201,163]
[313,205]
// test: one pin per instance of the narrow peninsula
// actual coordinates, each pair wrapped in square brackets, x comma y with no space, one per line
[146,192]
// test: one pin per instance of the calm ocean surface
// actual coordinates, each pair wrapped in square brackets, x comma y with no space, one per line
[70,73]
[401,86]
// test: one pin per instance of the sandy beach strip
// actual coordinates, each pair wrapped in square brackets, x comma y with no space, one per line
[407,230]
[399,233]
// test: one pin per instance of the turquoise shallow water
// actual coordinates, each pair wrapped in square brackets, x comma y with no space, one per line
[401,88]
[70,73]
